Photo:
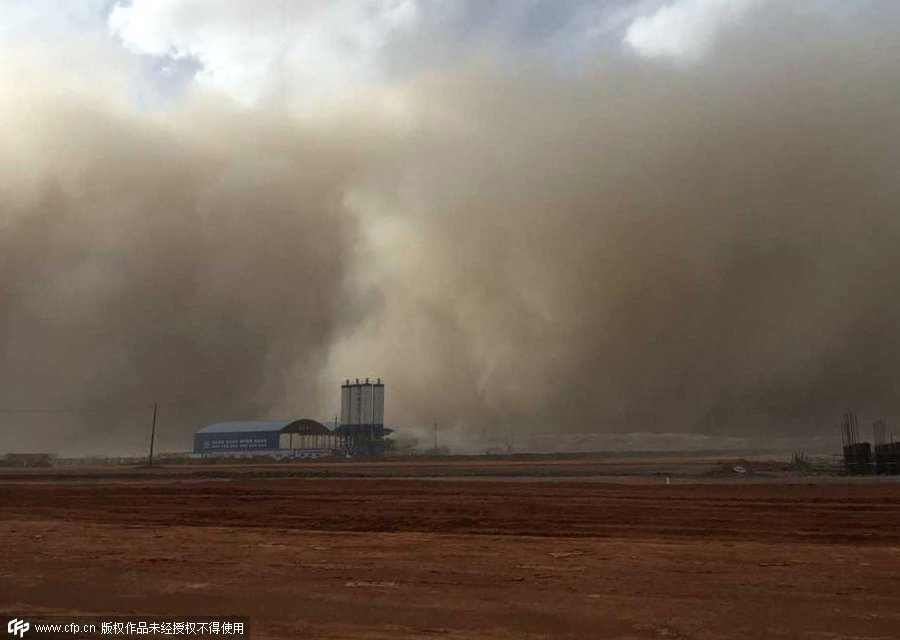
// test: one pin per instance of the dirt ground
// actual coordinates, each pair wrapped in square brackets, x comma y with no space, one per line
[414,558]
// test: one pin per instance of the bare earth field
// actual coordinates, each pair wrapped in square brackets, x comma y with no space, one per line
[368,557]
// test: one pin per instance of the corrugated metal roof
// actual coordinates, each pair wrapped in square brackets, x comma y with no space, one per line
[308,427]
[303,426]
[246,426]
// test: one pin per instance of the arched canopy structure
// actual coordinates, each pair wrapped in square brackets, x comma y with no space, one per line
[264,435]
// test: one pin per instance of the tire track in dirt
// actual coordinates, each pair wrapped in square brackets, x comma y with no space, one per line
[859,514]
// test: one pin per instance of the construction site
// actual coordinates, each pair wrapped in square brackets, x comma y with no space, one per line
[879,457]
[301,530]
[361,431]
[450,319]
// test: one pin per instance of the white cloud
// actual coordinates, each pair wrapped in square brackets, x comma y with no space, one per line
[246,49]
[685,29]
[312,51]
[47,19]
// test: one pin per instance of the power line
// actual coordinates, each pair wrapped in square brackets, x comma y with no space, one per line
[59,410]
[101,409]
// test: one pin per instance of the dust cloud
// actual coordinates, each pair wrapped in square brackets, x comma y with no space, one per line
[632,247]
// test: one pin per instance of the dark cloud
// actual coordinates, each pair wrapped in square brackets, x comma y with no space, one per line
[703,249]
[193,263]
[632,248]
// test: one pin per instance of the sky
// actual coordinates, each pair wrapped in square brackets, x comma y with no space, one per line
[246,49]
[557,219]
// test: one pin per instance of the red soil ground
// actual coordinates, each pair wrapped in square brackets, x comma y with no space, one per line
[316,558]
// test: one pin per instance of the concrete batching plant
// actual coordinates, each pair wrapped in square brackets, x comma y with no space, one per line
[362,417]
[361,432]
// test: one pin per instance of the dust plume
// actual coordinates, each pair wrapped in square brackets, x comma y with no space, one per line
[189,257]
[644,248]
[635,246]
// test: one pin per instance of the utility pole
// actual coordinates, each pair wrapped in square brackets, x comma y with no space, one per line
[152,434]
[434,432]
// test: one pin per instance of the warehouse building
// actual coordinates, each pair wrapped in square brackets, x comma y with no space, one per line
[286,438]
[360,433]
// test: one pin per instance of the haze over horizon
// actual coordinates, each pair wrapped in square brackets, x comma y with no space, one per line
[579,217]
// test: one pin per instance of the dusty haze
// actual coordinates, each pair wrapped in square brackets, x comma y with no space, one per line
[635,246]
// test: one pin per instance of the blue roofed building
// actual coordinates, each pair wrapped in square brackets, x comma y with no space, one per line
[361,432]
[283,438]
